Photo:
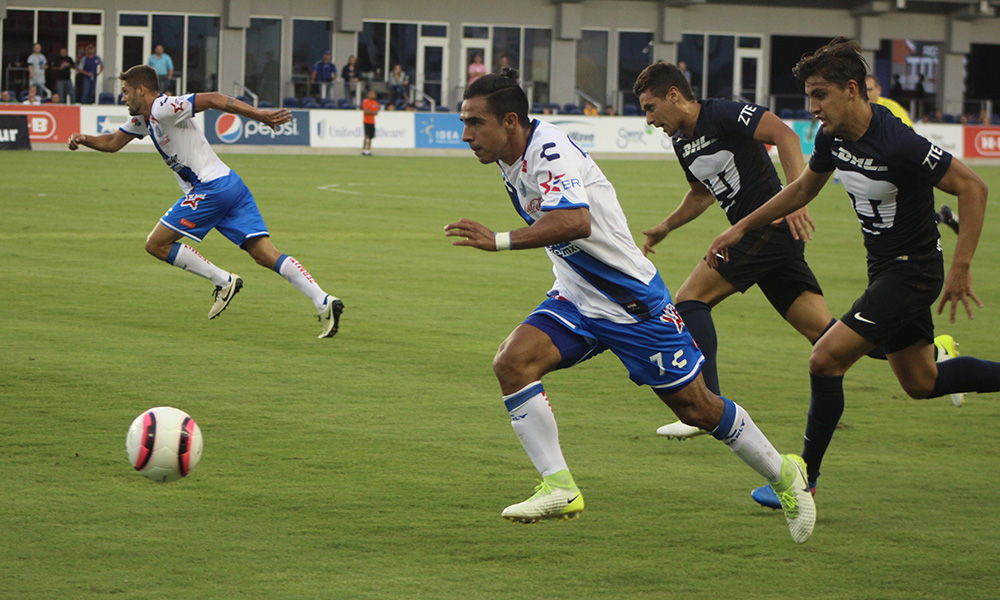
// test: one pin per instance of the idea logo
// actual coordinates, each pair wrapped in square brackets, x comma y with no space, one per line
[229,128]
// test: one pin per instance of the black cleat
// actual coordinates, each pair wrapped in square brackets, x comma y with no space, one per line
[948,217]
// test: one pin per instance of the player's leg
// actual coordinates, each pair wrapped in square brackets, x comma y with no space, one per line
[545,342]
[922,377]
[809,315]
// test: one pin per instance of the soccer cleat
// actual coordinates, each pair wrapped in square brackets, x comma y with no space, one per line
[329,318]
[945,345]
[948,217]
[679,431]
[224,295]
[549,501]
[796,500]
[765,496]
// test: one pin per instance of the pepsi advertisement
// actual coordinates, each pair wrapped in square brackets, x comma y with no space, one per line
[227,128]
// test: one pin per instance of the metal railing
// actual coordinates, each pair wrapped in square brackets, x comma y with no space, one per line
[238,87]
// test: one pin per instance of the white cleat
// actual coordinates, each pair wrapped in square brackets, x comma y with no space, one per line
[679,431]
[224,295]
[797,500]
[548,502]
[946,351]
[329,318]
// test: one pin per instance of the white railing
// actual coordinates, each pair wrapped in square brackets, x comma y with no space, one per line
[238,87]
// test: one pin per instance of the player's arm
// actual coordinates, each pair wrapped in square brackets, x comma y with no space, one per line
[555,227]
[971,191]
[109,142]
[772,130]
[796,195]
[695,202]
[228,104]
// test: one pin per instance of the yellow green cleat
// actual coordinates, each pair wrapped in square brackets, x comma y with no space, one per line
[556,497]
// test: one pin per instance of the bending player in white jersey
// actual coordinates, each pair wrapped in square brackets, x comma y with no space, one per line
[214,195]
[607,295]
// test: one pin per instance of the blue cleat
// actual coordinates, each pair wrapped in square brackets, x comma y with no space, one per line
[765,496]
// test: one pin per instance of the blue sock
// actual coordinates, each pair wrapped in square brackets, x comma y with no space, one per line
[698,318]
[825,408]
[966,374]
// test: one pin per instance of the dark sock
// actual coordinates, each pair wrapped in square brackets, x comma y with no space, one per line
[825,408]
[966,374]
[698,317]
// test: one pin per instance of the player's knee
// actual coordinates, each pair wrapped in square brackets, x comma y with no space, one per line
[918,389]
[822,362]
[157,250]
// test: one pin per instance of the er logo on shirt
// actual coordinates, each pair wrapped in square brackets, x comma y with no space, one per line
[552,184]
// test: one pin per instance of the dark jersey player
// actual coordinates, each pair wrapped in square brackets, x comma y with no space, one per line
[721,147]
[889,172]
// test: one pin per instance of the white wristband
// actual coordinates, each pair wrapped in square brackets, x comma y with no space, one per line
[502,240]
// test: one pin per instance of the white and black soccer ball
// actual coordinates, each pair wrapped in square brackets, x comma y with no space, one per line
[164,443]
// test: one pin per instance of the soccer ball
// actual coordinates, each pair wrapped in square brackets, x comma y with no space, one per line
[164,444]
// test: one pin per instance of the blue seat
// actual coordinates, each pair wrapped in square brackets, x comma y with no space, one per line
[552,106]
[786,113]
[308,102]
[572,109]
[246,99]
[327,103]
[537,107]
[948,118]
[290,102]
[630,110]
[106,98]
[400,104]
[442,108]
[265,104]
[22,96]
[345,103]
[803,114]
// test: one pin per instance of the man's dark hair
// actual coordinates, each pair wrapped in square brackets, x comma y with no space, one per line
[659,77]
[143,75]
[838,62]
[503,95]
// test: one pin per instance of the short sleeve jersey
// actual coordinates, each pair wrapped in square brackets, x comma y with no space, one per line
[325,71]
[605,275]
[180,142]
[371,106]
[722,154]
[37,62]
[889,174]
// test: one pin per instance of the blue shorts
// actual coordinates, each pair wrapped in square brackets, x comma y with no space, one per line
[225,204]
[658,352]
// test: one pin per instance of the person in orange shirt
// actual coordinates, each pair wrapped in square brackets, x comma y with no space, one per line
[370,107]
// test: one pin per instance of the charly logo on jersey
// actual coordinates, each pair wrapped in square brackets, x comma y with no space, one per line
[865,164]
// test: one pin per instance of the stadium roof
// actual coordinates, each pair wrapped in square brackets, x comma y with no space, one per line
[962,9]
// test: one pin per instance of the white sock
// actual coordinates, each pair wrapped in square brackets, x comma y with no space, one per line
[296,274]
[738,431]
[535,425]
[189,259]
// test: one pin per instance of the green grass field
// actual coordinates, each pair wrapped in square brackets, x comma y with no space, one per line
[375,465]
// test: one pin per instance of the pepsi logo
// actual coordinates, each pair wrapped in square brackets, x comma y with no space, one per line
[229,128]
[988,142]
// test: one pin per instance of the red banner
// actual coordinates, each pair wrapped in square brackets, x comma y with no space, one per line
[982,142]
[47,123]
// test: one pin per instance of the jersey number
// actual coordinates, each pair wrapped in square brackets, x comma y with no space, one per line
[679,361]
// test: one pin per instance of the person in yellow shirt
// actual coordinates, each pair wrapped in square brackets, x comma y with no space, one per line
[875,95]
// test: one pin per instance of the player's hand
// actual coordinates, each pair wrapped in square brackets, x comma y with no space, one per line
[958,288]
[719,250]
[76,140]
[476,235]
[653,237]
[273,118]
[799,223]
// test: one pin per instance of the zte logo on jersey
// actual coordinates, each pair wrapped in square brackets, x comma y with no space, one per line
[192,200]
[933,157]
[746,114]
[697,145]
[865,164]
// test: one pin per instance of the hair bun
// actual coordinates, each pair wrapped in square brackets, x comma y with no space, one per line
[510,73]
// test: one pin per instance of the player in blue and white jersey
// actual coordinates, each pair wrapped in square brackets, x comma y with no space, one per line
[889,172]
[214,195]
[606,296]
[720,146]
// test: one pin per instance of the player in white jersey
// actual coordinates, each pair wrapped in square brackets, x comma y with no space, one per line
[214,196]
[607,295]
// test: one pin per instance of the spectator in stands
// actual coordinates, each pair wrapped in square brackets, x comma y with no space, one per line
[476,68]
[370,107]
[351,75]
[33,97]
[89,68]
[875,96]
[5,97]
[164,67]
[62,67]
[609,111]
[504,63]
[590,110]
[399,82]
[36,68]
[683,66]
[896,91]
[324,73]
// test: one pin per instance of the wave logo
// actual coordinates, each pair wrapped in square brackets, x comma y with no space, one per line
[229,128]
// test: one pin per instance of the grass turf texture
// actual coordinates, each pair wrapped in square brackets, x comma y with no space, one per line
[376,464]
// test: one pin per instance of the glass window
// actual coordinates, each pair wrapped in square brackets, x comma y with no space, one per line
[310,39]
[506,48]
[434,30]
[126,20]
[634,55]
[537,62]
[721,50]
[403,47]
[168,30]
[476,32]
[53,31]
[85,18]
[749,42]
[692,53]
[371,51]
[592,65]
[262,68]
[17,43]
[202,64]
